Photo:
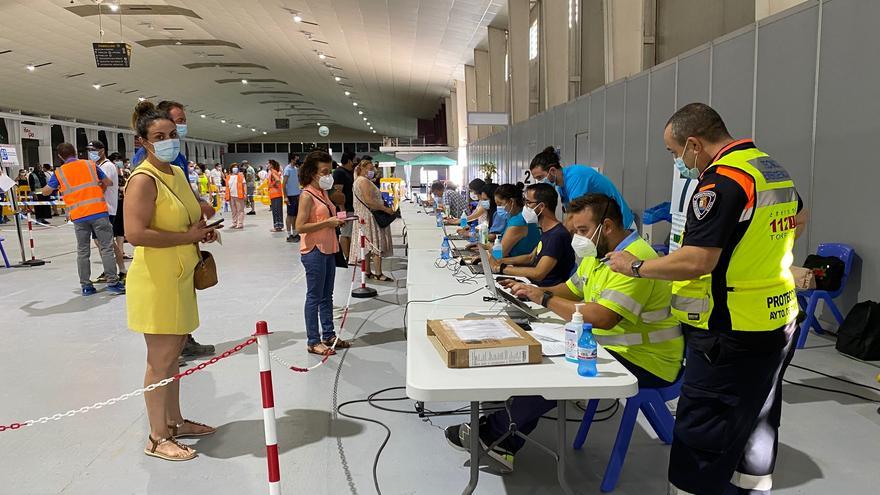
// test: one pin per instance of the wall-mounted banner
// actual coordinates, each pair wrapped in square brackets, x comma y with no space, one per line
[112,55]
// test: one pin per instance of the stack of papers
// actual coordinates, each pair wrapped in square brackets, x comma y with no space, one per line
[551,336]
[481,330]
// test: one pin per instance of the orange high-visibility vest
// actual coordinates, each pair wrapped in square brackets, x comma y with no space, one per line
[274,185]
[241,186]
[81,189]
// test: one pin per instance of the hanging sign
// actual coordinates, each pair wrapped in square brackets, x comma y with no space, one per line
[8,155]
[112,55]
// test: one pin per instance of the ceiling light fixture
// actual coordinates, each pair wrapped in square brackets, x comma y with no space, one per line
[264,133]
[337,78]
[348,93]
[321,56]
[354,103]
[365,118]
[253,130]
[238,125]
[142,98]
[114,7]
[318,123]
[30,67]
[297,17]
[244,81]
[360,112]
[203,116]
[222,121]
[178,43]
[368,124]
[374,132]
[96,86]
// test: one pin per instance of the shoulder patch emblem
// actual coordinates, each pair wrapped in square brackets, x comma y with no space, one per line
[703,202]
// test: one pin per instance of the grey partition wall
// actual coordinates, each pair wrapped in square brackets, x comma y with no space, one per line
[762,79]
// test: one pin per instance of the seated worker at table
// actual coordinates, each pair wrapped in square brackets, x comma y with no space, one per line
[475,210]
[574,181]
[446,195]
[552,261]
[631,319]
[518,237]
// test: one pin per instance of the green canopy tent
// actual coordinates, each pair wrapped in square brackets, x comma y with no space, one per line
[386,158]
[432,161]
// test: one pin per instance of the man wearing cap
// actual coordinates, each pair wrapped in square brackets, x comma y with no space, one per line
[250,179]
[98,154]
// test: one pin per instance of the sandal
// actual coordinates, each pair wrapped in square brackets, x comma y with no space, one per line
[340,344]
[313,349]
[191,454]
[174,429]
[382,278]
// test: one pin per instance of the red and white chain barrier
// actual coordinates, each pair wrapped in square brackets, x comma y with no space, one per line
[135,393]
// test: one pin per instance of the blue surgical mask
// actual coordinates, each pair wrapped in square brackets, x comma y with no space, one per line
[118,164]
[485,204]
[166,150]
[181,131]
[687,173]
[94,156]
[502,213]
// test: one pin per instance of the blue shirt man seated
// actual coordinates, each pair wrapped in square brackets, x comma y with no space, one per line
[631,319]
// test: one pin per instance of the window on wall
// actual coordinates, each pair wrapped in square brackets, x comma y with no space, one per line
[56,137]
[348,147]
[533,41]
[82,141]
[102,136]
[120,144]
[268,147]
[4,134]
[296,148]
[374,147]
[362,148]
[282,147]
[256,147]
[336,147]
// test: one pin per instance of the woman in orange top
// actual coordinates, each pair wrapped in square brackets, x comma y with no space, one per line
[276,196]
[235,188]
[317,223]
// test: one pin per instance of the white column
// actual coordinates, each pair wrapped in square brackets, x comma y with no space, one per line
[553,32]
[518,59]
[497,75]
[766,8]
[623,38]
[470,82]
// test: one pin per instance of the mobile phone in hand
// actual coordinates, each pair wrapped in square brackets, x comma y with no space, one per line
[215,223]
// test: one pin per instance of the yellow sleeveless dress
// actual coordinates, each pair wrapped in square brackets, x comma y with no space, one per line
[160,294]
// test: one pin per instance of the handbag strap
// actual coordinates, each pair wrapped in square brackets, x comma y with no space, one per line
[159,179]
[329,211]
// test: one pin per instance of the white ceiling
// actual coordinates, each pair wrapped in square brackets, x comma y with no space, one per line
[398,56]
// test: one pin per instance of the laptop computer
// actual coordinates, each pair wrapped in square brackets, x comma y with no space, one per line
[499,292]
[454,236]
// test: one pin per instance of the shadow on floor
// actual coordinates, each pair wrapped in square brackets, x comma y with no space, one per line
[794,394]
[296,428]
[78,304]
[278,340]
[794,468]
[379,338]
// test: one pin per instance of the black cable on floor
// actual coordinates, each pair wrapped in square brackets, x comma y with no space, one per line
[844,380]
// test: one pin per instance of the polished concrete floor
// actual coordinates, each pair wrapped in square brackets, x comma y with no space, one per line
[61,351]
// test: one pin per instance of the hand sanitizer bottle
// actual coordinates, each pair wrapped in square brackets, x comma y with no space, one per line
[572,333]
[497,252]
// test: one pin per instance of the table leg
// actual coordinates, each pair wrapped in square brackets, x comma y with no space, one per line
[561,445]
[475,449]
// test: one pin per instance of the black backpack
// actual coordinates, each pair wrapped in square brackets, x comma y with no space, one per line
[828,271]
[859,335]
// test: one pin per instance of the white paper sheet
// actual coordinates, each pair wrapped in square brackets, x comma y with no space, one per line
[479,330]
[551,336]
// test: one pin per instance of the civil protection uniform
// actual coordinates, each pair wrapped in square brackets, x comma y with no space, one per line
[79,183]
[739,323]
[647,340]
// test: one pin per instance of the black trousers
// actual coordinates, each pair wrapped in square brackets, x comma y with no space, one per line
[727,421]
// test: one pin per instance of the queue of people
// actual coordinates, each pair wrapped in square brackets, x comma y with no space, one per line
[725,298]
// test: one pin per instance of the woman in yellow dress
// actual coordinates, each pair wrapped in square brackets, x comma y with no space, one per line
[163,220]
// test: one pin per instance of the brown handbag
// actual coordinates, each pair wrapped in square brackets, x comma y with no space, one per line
[205,273]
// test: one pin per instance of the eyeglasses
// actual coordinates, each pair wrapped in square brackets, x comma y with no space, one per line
[526,201]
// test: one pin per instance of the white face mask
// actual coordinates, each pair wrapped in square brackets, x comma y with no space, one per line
[584,247]
[325,181]
[529,214]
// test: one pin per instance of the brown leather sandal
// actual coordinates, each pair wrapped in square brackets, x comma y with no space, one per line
[174,428]
[313,350]
[156,443]
[340,344]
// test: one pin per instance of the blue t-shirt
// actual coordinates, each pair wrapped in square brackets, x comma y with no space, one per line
[556,243]
[581,180]
[141,154]
[528,243]
[54,184]
[499,221]
[293,188]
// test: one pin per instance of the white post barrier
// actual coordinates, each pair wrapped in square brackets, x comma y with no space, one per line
[363,292]
[270,430]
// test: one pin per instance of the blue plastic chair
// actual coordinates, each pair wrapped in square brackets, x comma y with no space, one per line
[652,403]
[809,299]
[3,252]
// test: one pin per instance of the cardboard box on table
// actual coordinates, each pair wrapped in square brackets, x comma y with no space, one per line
[523,349]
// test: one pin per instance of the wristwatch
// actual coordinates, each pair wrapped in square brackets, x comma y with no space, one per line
[501,268]
[636,265]
[546,299]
